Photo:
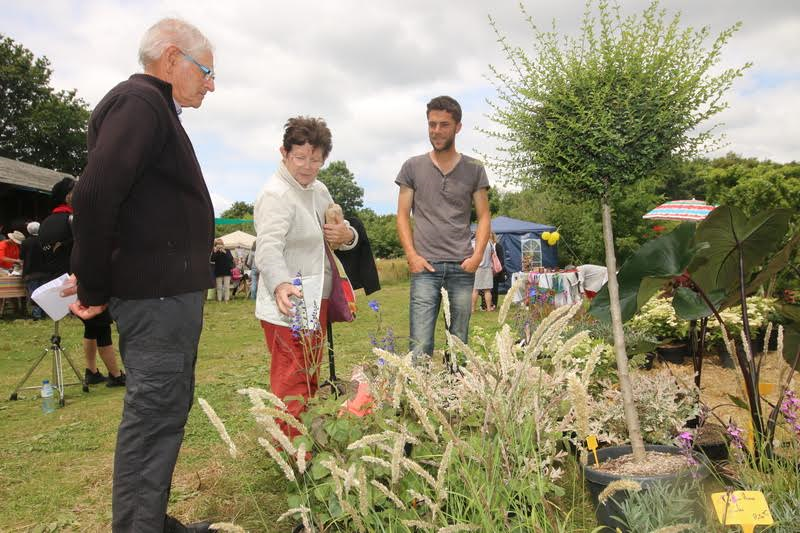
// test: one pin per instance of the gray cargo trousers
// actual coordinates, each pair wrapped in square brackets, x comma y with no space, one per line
[158,340]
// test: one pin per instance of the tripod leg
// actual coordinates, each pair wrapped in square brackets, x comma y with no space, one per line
[333,381]
[27,375]
[331,361]
[81,379]
[59,385]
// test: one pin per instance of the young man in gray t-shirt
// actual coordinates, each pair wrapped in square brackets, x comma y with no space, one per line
[440,188]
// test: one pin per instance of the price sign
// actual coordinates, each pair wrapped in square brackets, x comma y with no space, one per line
[591,443]
[746,508]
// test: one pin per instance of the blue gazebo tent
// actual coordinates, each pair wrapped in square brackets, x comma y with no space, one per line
[518,236]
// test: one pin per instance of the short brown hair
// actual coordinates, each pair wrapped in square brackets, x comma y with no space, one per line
[445,103]
[301,130]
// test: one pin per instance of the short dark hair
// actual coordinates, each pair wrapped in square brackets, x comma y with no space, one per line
[301,130]
[445,103]
[61,189]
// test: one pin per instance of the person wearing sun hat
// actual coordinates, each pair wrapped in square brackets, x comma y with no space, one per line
[33,271]
[9,250]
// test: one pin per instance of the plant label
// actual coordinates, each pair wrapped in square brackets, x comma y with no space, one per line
[765,388]
[746,508]
[591,443]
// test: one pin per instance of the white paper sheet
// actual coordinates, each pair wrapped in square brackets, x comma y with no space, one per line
[49,298]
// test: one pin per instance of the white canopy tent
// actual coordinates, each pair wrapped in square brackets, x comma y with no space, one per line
[239,243]
[238,239]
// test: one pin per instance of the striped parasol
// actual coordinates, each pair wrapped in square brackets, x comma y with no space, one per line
[693,210]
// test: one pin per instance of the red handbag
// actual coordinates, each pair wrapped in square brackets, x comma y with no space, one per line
[342,300]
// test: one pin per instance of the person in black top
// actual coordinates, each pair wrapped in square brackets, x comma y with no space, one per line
[223,264]
[358,262]
[33,273]
[500,277]
[144,225]
[56,242]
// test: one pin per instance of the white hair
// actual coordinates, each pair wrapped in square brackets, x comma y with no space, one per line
[171,31]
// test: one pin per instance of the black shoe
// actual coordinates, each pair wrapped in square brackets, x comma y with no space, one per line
[173,525]
[93,378]
[118,381]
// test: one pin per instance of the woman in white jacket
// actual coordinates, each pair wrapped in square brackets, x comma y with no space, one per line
[294,265]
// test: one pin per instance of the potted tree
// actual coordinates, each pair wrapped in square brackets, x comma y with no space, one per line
[597,114]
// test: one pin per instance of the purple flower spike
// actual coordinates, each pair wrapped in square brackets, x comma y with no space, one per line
[685,443]
[373,304]
[735,433]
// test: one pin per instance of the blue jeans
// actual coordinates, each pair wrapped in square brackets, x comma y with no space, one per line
[253,283]
[426,299]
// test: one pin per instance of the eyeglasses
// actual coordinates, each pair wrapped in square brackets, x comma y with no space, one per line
[208,73]
[302,161]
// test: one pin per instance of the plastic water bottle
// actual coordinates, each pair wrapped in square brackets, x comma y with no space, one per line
[48,400]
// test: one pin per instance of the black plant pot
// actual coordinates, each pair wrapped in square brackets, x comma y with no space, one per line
[597,481]
[758,342]
[673,353]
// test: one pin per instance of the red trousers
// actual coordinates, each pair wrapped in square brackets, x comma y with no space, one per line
[294,369]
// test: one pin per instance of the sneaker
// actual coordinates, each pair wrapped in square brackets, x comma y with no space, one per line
[118,381]
[93,378]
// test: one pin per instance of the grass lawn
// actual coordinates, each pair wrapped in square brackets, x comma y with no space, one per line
[55,470]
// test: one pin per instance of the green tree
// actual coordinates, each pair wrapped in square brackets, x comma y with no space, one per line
[596,114]
[239,209]
[578,220]
[39,125]
[342,185]
[752,185]
[382,233]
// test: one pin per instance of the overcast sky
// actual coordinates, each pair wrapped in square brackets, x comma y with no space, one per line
[369,68]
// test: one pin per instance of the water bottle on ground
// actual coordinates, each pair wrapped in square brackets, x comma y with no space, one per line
[48,399]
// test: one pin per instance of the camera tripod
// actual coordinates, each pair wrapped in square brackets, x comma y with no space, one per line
[59,355]
[336,385]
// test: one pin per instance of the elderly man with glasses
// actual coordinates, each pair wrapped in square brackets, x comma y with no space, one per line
[143,226]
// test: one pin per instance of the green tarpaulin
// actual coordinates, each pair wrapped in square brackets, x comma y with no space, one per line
[223,221]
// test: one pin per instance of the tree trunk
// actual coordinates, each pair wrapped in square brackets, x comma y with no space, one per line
[631,416]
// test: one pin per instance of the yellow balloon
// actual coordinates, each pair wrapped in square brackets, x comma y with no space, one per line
[546,236]
[555,235]
[552,241]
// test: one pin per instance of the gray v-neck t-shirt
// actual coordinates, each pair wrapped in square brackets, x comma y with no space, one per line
[442,205]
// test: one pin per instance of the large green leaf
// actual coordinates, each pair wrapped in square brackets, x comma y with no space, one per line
[776,263]
[654,264]
[791,342]
[727,230]
[690,306]
[791,331]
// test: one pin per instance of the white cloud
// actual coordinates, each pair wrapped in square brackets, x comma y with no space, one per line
[369,69]
[220,203]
